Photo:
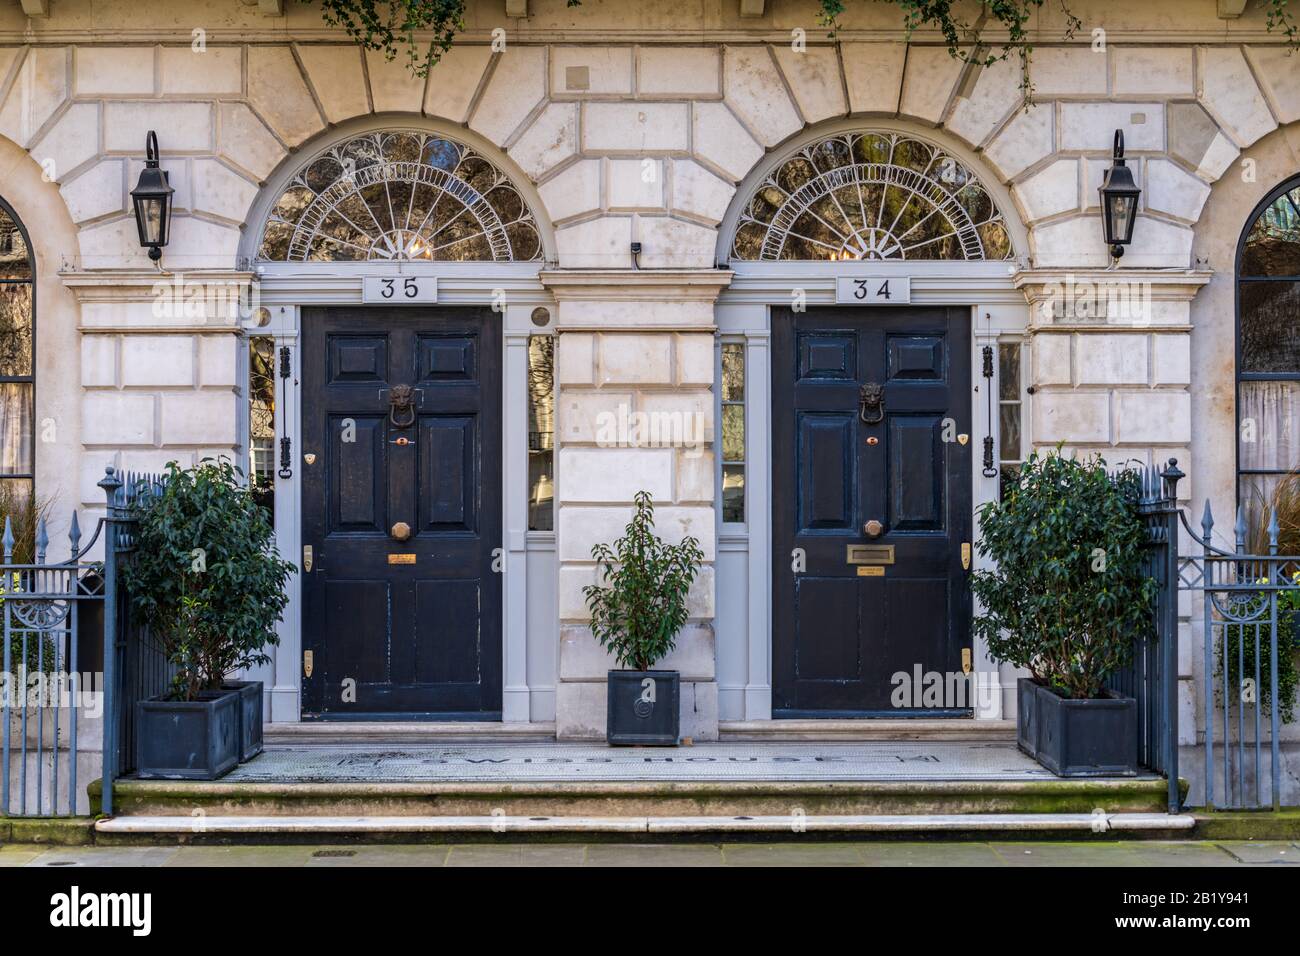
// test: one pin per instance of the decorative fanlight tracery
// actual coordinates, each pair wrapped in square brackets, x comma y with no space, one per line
[400,195]
[871,195]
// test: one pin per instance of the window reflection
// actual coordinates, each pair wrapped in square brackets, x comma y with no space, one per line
[541,432]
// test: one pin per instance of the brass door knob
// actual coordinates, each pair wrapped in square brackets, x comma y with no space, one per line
[873,528]
[401,531]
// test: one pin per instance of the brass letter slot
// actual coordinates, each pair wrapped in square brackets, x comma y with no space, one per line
[870,554]
[871,570]
[401,559]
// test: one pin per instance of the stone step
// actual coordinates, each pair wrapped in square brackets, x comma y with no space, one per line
[882,729]
[1150,824]
[642,798]
[404,733]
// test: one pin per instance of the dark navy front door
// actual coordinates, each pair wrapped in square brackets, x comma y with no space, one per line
[402,510]
[868,405]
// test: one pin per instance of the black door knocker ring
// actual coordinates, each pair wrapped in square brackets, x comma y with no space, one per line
[401,406]
[871,403]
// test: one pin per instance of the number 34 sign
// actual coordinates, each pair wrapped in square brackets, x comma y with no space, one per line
[399,290]
[873,290]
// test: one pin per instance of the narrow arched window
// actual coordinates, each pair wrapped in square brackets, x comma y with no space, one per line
[17,367]
[1268,347]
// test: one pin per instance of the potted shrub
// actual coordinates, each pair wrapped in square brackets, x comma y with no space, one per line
[207,581]
[636,613]
[1065,599]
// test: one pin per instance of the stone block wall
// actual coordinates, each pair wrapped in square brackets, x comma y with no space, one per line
[1111,363]
[634,412]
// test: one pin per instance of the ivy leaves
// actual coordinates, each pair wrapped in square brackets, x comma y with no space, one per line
[1069,594]
[387,25]
[641,606]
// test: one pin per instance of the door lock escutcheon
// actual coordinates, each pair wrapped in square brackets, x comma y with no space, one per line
[307,556]
[873,528]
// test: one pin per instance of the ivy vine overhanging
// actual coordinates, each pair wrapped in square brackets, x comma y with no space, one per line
[393,26]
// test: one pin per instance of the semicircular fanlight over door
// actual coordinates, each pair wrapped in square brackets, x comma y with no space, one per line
[871,195]
[400,195]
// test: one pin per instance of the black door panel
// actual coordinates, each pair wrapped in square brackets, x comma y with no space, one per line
[838,636]
[402,627]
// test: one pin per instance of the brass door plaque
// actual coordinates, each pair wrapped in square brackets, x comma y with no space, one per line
[869,554]
[401,559]
[871,570]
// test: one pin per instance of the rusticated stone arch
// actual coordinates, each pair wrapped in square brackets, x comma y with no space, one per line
[483,207]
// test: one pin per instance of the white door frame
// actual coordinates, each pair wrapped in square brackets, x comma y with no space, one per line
[999,312]
[512,290]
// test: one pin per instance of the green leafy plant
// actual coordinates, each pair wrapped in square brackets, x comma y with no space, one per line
[390,25]
[387,25]
[205,576]
[965,39]
[641,606]
[1068,595]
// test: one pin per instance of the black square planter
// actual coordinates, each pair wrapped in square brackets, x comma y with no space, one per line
[187,740]
[644,708]
[250,716]
[1077,738]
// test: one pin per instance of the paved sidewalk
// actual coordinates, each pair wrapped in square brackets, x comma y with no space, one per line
[1183,853]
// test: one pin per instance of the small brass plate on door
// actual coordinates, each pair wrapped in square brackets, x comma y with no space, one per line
[873,440]
[869,554]
[871,571]
[401,559]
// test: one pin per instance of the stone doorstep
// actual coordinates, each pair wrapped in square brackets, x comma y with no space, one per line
[874,728]
[936,823]
[634,799]
[404,732]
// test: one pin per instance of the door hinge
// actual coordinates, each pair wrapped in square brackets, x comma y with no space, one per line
[965,555]
[308,662]
[307,556]
[965,660]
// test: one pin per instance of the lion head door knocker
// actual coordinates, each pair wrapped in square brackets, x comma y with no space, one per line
[871,402]
[401,406]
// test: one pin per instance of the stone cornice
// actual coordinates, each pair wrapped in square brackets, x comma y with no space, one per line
[49,33]
[140,285]
[1166,285]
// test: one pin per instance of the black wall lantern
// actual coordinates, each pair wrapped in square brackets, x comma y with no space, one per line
[153,201]
[1119,199]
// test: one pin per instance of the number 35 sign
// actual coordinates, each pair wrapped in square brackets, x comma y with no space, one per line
[873,290]
[399,290]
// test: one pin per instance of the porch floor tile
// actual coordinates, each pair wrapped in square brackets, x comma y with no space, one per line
[557,762]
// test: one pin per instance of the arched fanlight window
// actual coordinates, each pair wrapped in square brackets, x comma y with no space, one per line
[871,195]
[17,367]
[1268,346]
[400,194]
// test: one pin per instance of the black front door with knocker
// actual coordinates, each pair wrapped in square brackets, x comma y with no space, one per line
[401,513]
[871,510]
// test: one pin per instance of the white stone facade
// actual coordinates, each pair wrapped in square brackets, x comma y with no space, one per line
[626,125]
